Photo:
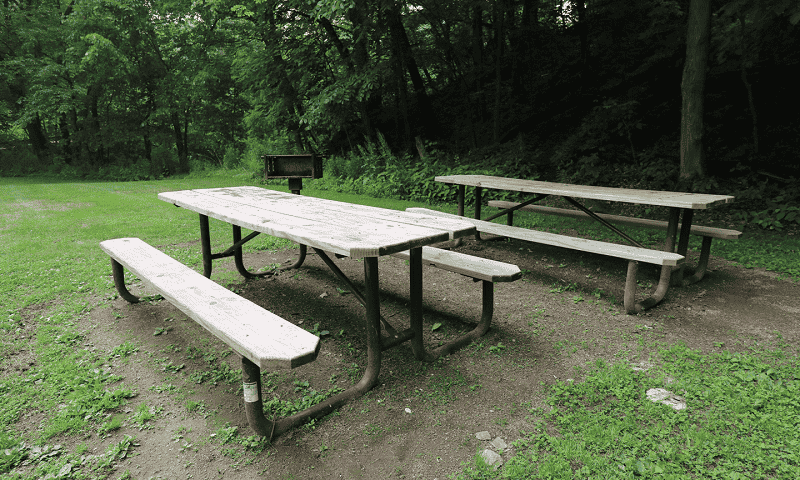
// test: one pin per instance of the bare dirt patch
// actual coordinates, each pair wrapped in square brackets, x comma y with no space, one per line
[563,314]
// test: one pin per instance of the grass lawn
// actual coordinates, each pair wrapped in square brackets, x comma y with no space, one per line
[53,271]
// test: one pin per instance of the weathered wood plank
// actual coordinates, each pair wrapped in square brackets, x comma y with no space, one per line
[474,267]
[592,246]
[714,232]
[263,337]
[345,229]
[696,201]
[299,204]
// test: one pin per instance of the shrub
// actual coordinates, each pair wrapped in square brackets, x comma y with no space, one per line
[231,159]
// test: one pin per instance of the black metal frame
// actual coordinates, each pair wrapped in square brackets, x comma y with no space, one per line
[251,373]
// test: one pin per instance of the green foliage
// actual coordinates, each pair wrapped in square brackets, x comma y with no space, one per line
[232,159]
[375,171]
[12,452]
[782,211]
[309,397]
[19,160]
[603,145]
[741,419]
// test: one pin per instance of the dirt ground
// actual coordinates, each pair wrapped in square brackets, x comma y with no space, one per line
[421,420]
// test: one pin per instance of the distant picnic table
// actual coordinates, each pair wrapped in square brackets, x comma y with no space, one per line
[681,211]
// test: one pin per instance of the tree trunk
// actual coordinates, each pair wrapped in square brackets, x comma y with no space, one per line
[39,142]
[693,89]
[499,40]
[583,31]
[477,36]
[180,142]
[356,61]
[66,140]
[748,87]
[402,49]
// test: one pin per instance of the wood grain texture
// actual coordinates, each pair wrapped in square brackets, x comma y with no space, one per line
[474,267]
[722,233]
[697,201]
[263,337]
[655,257]
[346,229]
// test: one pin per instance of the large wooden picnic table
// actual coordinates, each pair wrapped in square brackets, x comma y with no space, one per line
[330,226]
[681,204]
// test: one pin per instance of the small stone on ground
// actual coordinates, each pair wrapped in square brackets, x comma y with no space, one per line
[667,398]
[491,458]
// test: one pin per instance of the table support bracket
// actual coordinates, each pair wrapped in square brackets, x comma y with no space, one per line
[235,251]
[633,307]
[356,293]
[118,272]
[510,211]
[251,373]
[605,223]
[474,334]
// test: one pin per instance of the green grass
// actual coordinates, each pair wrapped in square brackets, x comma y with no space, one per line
[53,272]
[742,421]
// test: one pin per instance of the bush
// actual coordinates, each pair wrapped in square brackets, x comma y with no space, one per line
[399,177]
[18,160]
[231,159]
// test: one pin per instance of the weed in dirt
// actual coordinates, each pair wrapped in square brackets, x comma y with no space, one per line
[143,415]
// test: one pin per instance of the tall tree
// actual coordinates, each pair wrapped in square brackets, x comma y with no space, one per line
[698,33]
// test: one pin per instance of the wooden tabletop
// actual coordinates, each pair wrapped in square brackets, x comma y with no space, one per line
[337,227]
[696,201]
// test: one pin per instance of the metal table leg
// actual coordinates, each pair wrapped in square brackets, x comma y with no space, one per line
[251,374]
[415,304]
[235,251]
[683,244]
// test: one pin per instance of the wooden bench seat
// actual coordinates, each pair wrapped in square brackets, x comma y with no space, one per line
[667,260]
[263,339]
[474,267]
[700,230]
[708,233]
[484,269]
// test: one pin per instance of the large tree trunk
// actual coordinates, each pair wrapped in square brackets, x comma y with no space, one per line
[747,85]
[181,140]
[357,60]
[39,142]
[477,36]
[524,44]
[693,88]
[402,51]
[583,31]
[499,41]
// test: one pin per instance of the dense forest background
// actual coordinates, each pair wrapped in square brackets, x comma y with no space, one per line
[584,91]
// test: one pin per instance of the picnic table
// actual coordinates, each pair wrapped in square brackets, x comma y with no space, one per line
[681,211]
[340,228]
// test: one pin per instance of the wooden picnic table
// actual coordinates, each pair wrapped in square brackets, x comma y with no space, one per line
[330,226]
[681,204]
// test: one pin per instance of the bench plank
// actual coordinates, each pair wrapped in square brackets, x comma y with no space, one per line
[714,232]
[471,266]
[655,257]
[264,338]
[649,197]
